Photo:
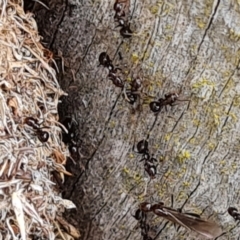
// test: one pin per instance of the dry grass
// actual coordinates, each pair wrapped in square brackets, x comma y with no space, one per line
[31,204]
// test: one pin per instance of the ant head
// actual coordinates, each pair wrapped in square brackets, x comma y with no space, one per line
[145,206]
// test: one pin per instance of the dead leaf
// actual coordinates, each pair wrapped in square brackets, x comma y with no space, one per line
[13,104]
[68,227]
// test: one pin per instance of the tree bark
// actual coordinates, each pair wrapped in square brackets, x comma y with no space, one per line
[188,47]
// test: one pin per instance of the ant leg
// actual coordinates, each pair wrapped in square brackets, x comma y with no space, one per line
[183,100]
[121,1]
[125,93]
[171,200]
[146,187]
[143,159]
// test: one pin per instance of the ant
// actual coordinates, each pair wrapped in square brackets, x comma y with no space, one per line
[133,95]
[150,168]
[125,30]
[105,60]
[234,213]
[43,136]
[169,99]
[142,218]
[149,165]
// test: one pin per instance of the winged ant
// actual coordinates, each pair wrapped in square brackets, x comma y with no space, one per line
[189,221]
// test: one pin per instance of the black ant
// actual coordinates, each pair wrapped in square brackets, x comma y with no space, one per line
[234,213]
[142,218]
[43,136]
[105,60]
[149,165]
[169,99]
[150,168]
[125,30]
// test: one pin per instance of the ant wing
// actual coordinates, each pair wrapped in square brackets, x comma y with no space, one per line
[206,228]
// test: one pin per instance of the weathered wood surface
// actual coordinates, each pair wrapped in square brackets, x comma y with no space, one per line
[192,46]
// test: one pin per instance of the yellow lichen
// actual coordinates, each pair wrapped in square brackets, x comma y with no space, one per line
[186,184]
[135,58]
[233,117]
[222,162]
[196,122]
[234,166]
[181,195]
[112,124]
[126,170]
[183,156]
[202,83]
[137,178]
[167,137]
[216,119]
[154,9]
[131,155]
[141,197]
[151,64]
[233,35]
[200,23]
[211,145]
[192,141]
